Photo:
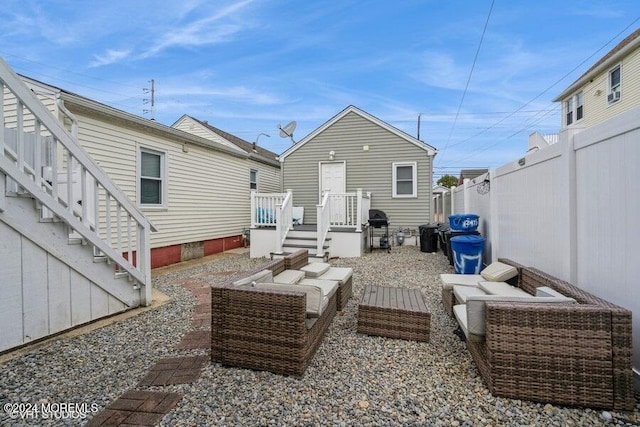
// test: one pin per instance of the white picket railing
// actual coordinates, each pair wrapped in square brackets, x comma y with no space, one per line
[349,210]
[36,151]
[263,208]
[284,220]
[324,221]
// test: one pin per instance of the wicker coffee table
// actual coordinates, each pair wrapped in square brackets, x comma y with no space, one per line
[394,313]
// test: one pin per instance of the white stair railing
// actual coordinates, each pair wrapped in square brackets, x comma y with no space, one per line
[35,149]
[324,221]
[284,220]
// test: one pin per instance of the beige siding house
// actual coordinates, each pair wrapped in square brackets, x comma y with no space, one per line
[264,174]
[195,191]
[355,150]
[610,87]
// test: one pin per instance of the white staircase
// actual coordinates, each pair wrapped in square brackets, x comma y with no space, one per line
[301,239]
[73,248]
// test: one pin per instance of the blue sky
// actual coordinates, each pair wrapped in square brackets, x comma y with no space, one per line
[247,66]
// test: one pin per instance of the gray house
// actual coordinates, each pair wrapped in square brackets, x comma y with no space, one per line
[357,150]
[352,163]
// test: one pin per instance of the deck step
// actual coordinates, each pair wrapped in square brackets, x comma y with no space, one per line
[100,258]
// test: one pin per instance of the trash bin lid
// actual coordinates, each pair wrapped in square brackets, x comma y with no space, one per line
[468,239]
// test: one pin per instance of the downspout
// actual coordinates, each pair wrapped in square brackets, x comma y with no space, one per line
[70,116]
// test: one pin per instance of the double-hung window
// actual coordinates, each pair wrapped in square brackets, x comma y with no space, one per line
[579,106]
[253,179]
[405,179]
[574,108]
[569,110]
[614,85]
[152,178]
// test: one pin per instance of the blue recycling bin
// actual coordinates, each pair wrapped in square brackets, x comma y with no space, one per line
[464,222]
[467,253]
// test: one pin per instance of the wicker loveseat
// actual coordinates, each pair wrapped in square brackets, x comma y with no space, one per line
[576,354]
[265,329]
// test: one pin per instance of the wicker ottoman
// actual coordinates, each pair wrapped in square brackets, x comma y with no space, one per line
[394,313]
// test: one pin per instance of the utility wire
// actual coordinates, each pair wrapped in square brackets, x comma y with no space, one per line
[544,91]
[466,87]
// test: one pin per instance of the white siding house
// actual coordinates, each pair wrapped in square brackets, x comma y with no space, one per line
[264,174]
[195,191]
[610,87]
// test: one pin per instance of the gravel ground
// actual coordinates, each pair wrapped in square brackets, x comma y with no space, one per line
[353,379]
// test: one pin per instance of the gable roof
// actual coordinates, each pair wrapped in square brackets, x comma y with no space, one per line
[81,103]
[252,149]
[631,42]
[470,174]
[353,109]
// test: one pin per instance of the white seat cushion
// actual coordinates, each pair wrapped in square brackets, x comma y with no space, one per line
[289,277]
[313,294]
[261,276]
[545,291]
[315,269]
[329,287]
[449,280]
[463,292]
[460,312]
[340,274]
[503,289]
[476,307]
[498,272]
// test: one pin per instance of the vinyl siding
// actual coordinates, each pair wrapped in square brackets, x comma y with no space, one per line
[208,192]
[186,124]
[370,170]
[596,107]
[268,177]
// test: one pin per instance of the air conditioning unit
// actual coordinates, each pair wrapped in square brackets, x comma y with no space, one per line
[613,96]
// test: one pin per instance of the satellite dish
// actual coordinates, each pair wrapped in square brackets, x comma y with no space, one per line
[287,131]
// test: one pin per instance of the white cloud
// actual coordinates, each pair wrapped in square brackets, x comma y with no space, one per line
[109,57]
[200,32]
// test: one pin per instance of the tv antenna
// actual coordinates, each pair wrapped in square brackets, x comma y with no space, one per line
[151,100]
[287,131]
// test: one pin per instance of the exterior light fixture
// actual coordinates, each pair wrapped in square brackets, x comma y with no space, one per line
[332,155]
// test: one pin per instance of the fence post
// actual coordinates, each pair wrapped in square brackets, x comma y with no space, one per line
[493,215]
[572,204]
[453,204]
[466,196]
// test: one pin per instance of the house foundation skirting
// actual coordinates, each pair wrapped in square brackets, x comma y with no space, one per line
[168,255]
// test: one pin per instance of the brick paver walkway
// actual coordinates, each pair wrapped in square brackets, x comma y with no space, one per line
[175,370]
[147,408]
[144,408]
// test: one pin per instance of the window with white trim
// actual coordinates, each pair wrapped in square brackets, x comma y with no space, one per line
[614,85]
[568,105]
[573,108]
[405,179]
[253,179]
[152,178]
[579,106]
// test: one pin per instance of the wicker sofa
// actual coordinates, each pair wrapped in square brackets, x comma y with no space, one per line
[576,354]
[300,259]
[265,329]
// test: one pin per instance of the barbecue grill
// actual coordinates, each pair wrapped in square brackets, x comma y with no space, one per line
[378,219]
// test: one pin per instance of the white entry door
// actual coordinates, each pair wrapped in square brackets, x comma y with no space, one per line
[333,179]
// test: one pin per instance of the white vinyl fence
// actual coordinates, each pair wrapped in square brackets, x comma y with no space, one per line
[571,209]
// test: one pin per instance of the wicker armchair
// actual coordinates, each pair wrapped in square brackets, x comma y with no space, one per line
[578,354]
[265,329]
